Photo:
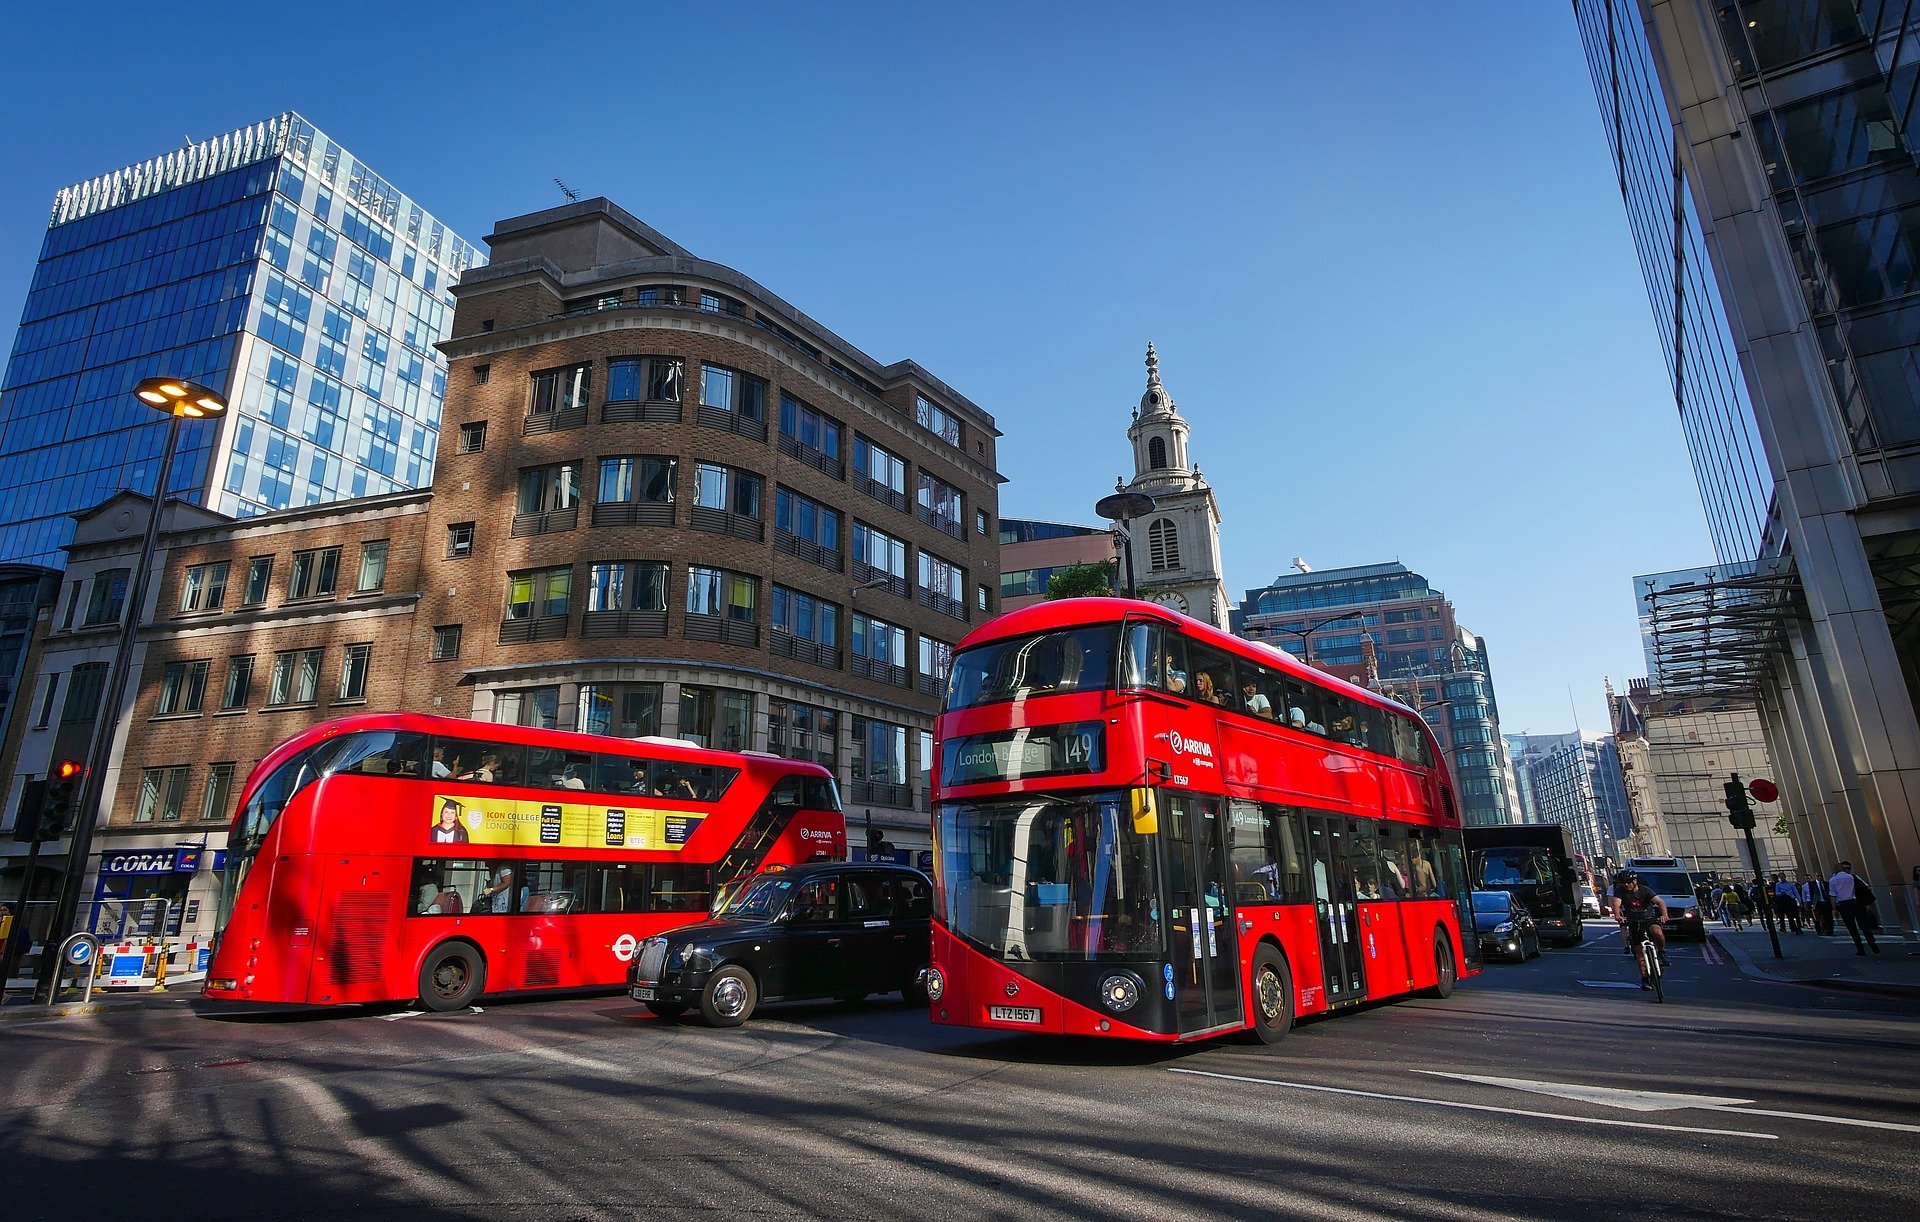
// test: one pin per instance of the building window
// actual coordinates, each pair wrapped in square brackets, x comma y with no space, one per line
[459,540]
[879,759]
[714,303]
[808,429]
[296,677]
[473,437]
[939,504]
[884,473]
[83,693]
[353,672]
[561,390]
[727,500]
[936,661]
[659,295]
[182,687]
[627,586]
[1157,454]
[721,593]
[446,642]
[528,706]
[46,701]
[1163,545]
[806,618]
[729,390]
[314,573]
[108,598]
[259,580]
[982,599]
[546,489]
[878,554]
[481,373]
[539,593]
[879,650]
[638,479]
[982,524]
[943,586]
[239,684]
[163,792]
[373,567]
[804,732]
[623,710]
[213,807]
[937,420]
[205,587]
[654,378]
[806,528]
[714,717]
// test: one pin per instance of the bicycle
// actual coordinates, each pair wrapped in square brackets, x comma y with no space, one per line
[1652,972]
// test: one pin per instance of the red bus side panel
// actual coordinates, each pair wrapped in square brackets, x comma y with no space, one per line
[1293,926]
[359,923]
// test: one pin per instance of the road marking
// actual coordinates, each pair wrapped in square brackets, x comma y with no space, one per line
[1661,1101]
[1610,984]
[1480,1107]
[1706,952]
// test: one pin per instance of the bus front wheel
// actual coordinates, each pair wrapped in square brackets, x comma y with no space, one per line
[1272,996]
[1445,972]
[452,977]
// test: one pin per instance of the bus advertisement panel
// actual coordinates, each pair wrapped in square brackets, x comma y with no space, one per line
[383,857]
[1148,828]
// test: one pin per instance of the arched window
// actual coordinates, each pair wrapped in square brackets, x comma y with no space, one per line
[1163,546]
[1157,453]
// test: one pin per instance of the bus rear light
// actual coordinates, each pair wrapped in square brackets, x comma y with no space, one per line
[1120,992]
[936,986]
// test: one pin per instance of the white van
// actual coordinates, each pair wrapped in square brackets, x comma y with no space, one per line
[1669,878]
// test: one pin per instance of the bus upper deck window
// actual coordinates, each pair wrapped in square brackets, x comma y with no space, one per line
[1142,658]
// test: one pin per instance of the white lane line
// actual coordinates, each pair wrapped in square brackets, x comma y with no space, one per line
[1610,984]
[1481,1107]
[1662,1101]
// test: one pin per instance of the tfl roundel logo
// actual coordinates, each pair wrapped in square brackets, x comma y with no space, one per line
[624,946]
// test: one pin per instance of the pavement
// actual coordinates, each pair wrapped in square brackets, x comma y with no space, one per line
[18,1004]
[1810,958]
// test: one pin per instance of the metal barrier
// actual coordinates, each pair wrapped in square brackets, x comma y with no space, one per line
[80,952]
[144,943]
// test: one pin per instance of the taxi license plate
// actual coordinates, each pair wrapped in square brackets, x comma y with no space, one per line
[1014,1014]
[643,995]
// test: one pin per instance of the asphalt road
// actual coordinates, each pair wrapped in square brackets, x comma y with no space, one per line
[588,1108]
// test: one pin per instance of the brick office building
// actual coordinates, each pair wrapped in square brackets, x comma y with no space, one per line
[666,503]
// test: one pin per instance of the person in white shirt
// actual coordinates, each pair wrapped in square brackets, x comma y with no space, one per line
[1845,889]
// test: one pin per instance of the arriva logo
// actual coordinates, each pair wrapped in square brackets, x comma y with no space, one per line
[815,833]
[1188,746]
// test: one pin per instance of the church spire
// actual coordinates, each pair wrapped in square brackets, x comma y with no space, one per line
[1156,402]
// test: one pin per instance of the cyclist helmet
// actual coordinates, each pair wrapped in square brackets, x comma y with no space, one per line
[1624,877]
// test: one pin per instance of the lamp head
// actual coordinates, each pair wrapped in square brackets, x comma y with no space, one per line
[179,397]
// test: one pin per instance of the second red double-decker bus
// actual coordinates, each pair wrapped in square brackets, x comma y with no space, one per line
[388,856]
[1149,828]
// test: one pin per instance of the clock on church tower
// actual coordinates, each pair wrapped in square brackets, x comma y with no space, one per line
[1171,599]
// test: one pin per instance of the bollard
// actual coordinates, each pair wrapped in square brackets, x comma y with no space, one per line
[79,951]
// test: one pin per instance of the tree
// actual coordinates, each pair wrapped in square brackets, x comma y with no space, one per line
[1082,581]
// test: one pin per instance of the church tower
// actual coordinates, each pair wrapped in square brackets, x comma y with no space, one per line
[1176,546]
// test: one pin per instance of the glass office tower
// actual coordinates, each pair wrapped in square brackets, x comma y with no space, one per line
[268,263]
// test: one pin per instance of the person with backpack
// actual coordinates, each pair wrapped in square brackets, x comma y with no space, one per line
[1854,900]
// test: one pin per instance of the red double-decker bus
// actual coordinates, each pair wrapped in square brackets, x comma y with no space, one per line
[1149,828]
[388,856]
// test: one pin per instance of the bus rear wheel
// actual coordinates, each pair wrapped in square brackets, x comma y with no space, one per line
[452,977]
[1445,972]
[1272,989]
[730,997]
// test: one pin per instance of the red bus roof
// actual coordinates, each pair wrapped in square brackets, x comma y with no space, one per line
[1056,614]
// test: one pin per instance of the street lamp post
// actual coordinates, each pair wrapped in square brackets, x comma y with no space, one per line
[180,400]
[1121,508]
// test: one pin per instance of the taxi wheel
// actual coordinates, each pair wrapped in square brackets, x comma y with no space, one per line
[1272,996]
[452,977]
[729,997]
[667,1009]
[1446,973]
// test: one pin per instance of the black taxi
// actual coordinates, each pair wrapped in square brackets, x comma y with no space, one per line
[827,929]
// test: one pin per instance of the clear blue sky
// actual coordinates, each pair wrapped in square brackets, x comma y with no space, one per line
[1378,246]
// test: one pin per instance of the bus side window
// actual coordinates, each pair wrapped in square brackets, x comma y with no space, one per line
[1140,657]
[1304,711]
[1255,876]
[1363,857]
[1283,835]
[618,888]
[1393,875]
[448,888]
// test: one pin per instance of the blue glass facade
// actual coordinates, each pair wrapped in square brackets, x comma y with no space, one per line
[267,263]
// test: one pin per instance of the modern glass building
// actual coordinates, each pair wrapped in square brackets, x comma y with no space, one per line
[1575,780]
[1769,158]
[1385,627]
[268,263]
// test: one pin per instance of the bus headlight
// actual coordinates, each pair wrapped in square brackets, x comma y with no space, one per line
[936,984]
[1120,992]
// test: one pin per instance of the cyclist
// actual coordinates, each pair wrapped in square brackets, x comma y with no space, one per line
[1639,911]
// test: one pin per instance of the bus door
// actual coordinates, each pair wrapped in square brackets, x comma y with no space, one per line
[1205,950]
[1335,910]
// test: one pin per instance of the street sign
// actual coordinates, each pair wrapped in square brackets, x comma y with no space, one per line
[81,952]
[1763,790]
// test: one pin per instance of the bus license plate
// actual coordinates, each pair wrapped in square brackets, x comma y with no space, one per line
[1014,1014]
[643,995]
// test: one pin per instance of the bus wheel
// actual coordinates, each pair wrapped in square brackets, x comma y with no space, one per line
[667,1009]
[1445,972]
[452,977]
[1272,996]
[729,997]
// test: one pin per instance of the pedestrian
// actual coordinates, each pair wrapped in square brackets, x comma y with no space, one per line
[1720,905]
[1786,901]
[1852,897]
[1757,899]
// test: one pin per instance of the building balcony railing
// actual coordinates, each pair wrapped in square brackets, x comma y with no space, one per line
[882,793]
[727,522]
[555,421]
[817,459]
[729,422]
[880,579]
[808,550]
[623,623]
[652,411]
[941,603]
[880,672]
[722,629]
[930,685]
[633,513]
[529,524]
[533,628]
[940,522]
[880,492]
[788,645]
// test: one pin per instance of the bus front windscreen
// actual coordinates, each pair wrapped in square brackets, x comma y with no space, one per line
[1049,878]
[1071,660]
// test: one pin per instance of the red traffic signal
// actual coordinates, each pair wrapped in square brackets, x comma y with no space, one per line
[1763,790]
[66,770]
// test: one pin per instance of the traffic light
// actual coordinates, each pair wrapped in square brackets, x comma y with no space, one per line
[26,820]
[62,799]
[1739,810]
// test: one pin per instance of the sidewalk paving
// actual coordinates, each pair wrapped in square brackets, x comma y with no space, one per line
[18,1008]
[1830,961]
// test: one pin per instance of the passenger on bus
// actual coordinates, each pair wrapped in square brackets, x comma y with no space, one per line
[497,896]
[1176,678]
[486,773]
[440,769]
[1203,688]
[1256,704]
